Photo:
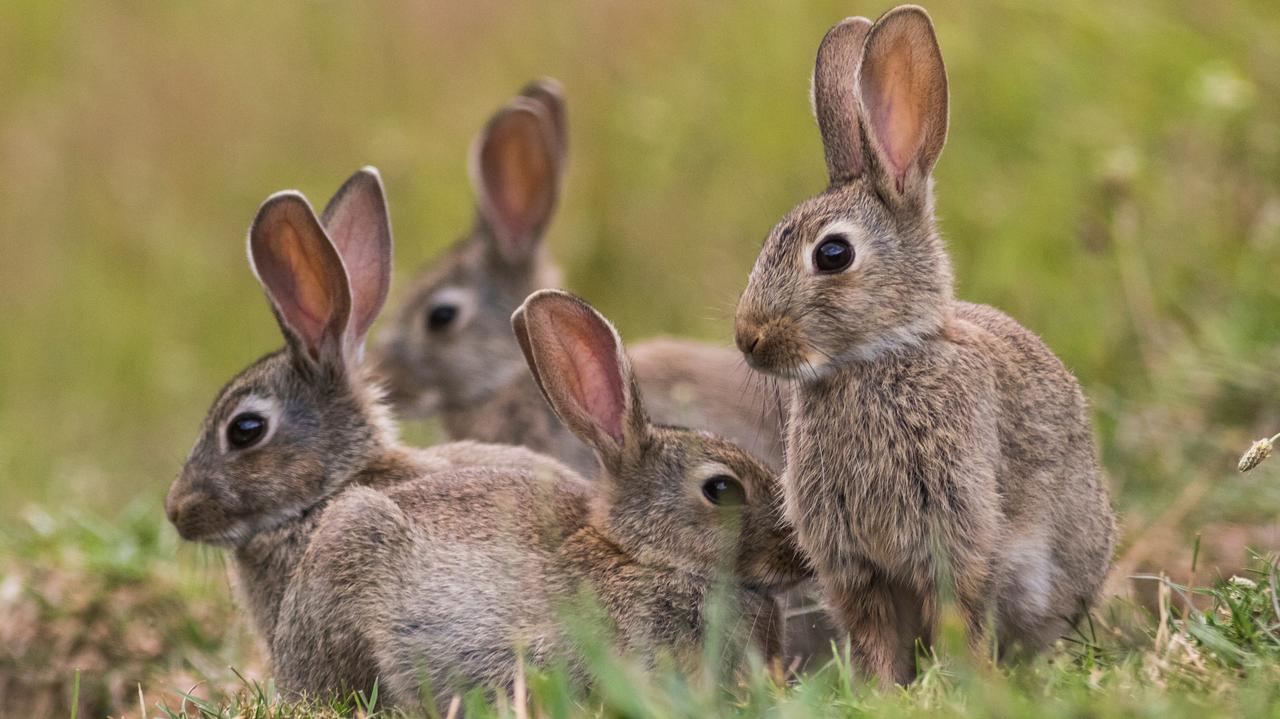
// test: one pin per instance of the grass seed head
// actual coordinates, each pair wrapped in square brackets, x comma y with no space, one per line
[1257,454]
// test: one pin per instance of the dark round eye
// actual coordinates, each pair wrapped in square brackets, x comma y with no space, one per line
[833,254]
[440,316]
[724,491]
[246,429]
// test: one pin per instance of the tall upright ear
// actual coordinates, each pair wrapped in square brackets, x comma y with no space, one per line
[578,361]
[360,228]
[902,87]
[304,277]
[549,93]
[515,171]
[835,101]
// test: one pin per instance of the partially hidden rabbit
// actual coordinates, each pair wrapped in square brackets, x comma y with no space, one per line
[363,560]
[933,445]
[457,311]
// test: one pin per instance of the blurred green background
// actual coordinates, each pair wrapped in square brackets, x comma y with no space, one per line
[1111,179]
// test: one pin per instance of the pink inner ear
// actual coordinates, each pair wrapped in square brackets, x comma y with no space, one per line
[359,231]
[596,380]
[896,114]
[299,284]
[588,357]
[518,176]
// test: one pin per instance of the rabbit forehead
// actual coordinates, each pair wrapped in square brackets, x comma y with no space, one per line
[459,266]
[263,378]
[700,455]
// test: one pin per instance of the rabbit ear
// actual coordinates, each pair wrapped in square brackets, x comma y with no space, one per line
[578,361]
[357,222]
[835,103]
[549,93]
[902,86]
[303,276]
[515,170]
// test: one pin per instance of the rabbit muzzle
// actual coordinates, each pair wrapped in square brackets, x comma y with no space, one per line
[201,516]
[772,345]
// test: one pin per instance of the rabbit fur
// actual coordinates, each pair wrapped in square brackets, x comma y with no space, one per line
[934,446]
[360,559]
[431,369]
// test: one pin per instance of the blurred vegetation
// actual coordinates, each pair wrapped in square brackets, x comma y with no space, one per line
[1112,180]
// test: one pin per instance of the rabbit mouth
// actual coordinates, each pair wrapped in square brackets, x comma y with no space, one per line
[791,362]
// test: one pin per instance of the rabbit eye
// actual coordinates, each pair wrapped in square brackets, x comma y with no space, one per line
[246,429]
[441,316]
[724,491]
[833,254]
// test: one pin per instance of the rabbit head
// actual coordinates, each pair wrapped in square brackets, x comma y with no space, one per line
[299,423]
[460,309]
[667,496]
[860,269]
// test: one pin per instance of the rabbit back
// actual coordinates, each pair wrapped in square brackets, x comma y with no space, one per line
[1053,492]
[439,579]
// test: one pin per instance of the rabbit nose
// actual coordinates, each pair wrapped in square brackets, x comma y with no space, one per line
[178,505]
[748,338]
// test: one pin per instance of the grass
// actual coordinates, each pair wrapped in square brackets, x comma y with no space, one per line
[92,609]
[116,621]
[1112,179]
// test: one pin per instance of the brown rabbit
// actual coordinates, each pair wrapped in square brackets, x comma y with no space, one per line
[933,445]
[457,312]
[362,560]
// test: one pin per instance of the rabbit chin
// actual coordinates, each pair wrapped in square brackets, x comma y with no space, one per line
[242,530]
[818,364]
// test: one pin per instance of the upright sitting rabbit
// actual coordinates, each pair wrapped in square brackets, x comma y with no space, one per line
[361,559]
[930,440]
[458,311]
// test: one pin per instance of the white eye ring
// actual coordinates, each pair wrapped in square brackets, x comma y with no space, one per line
[851,232]
[256,404]
[458,298]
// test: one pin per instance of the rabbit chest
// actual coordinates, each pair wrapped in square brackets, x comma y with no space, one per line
[891,458]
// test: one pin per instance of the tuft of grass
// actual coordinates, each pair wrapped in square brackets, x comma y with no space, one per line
[91,611]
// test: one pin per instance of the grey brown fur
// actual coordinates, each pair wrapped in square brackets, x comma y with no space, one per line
[361,559]
[435,372]
[934,445]
[485,278]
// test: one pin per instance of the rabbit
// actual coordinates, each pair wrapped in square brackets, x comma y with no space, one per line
[934,446]
[302,434]
[458,310]
[672,509]
[361,560]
